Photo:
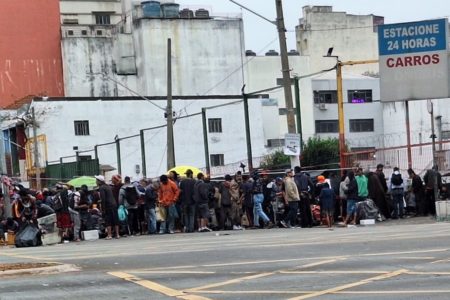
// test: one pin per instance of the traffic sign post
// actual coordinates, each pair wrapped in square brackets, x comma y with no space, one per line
[414,60]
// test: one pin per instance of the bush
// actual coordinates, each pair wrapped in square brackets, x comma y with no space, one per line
[276,160]
[321,153]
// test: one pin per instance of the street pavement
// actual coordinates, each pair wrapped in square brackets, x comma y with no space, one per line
[403,259]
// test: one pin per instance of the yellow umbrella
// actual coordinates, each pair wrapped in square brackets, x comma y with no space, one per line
[181,170]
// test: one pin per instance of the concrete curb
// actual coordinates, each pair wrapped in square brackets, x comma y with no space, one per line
[61,268]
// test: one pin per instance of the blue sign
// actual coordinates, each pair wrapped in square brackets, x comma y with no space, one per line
[414,37]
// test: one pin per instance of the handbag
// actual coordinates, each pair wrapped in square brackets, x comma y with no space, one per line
[160,213]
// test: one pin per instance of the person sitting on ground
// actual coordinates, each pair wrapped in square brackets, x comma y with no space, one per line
[8,226]
[43,210]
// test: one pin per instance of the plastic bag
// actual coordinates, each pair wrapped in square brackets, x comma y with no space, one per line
[29,236]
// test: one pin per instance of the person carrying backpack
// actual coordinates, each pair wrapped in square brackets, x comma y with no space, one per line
[396,187]
[129,196]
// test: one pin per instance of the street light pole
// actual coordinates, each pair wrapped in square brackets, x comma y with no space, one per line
[433,140]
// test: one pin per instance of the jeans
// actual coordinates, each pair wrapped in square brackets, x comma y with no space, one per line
[292,214]
[189,217]
[168,224]
[397,196]
[151,220]
[258,212]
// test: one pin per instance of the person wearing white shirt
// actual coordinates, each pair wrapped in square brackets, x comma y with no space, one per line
[397,188]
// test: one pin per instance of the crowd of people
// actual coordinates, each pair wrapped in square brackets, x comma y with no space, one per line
[187,203]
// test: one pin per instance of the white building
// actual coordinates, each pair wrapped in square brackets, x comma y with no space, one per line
[88,122]
[353,37]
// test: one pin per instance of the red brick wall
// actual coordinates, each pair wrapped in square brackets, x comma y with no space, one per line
[30,49]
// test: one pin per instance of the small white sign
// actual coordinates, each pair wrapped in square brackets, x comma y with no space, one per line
[292,144]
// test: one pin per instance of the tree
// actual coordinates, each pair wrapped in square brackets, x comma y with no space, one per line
[321,153]
[275,160]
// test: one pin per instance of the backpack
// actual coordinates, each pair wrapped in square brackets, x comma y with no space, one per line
[131,195]
[57,203]
[396,179]
[122,213]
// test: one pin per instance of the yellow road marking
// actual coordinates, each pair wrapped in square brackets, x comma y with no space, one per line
[257,262]
[156,287]
[173,272]
[427,273]
[404,252]
[417,257]
[319,263]
[350,285]
[232,281]
[339,292]
[334,272]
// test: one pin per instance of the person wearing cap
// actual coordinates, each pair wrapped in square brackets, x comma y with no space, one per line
[187,201]
[109,207]
[168,194]
[292,198]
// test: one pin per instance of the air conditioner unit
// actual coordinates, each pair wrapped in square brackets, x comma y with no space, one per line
[323,106]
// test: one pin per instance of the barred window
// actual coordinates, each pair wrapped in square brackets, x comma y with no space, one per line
[359,96]
[327,126]
[361,125]
[325,97]
[215,125]
[102,19]
[217,160]
[81,127]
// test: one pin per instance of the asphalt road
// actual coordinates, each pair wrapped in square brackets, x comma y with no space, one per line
[394,260]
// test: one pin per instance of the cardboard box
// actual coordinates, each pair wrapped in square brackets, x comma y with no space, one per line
[367,222]
[90,235]
[50,238]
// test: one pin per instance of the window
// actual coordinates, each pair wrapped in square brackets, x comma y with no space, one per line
[359,96]
[83,32]
[102,19]
[217,160]
[69,32]
[446,134]
[361,125]
[327,126]
[275,143]
[325,97]
[99,32]
[215,125]
[81,127]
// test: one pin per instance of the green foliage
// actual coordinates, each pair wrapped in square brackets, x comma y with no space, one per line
[323,153]
[275,160]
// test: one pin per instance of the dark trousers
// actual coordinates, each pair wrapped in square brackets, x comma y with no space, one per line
[133,221]
[225,213]
[291,217]
[430,202]
[189,217]
[305,211]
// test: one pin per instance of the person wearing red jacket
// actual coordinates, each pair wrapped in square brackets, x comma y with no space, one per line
[168,194]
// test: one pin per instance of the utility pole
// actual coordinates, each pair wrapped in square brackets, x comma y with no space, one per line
[295,161]
[37,166]
[247,132]
[170,141]
[205,141]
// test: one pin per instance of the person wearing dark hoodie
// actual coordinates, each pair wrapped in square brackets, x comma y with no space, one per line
[352,198]
[305,188]
[187,201]
[225,207]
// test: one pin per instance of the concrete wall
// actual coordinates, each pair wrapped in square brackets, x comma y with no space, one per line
[206,56]
[372,110]
[352,37]
[30,51]
[110,118]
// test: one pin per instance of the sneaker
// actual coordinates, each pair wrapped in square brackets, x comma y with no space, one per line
[171,232]
[235,227]
[240,228]
[283,223]
[207,229]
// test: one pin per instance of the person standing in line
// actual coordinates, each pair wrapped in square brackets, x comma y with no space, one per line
[109,207]
[236,201]
[292,198]
[305,187]
[129,196]
[352,198]
[187,201]
[362,181]
[327,204]
[258,199]
[382,177]
[150,197]
[396,187]
[168,194]
[431,176]
[417,190]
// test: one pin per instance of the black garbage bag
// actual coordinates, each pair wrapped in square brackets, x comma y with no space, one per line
[367,209]
[28,236]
